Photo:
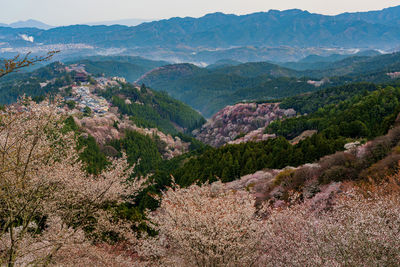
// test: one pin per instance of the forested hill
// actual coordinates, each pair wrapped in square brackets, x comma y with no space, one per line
[128,67]
[151,109]
[359,66]
[318,62]
[147,108]
[211,89]
[361,116]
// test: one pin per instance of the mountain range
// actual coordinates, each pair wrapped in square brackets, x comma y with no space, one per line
[31,23]
[126,22]
[294,28]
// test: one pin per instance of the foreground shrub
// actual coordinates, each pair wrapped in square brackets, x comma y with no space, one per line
[338,174]
[205,226]
[338,159]
[358,231]
[296,179]
[380,170]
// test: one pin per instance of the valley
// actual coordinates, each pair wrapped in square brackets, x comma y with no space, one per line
[267,139]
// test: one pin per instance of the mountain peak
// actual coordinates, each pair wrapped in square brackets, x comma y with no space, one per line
[30,23]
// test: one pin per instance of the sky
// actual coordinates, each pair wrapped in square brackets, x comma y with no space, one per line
[67,12]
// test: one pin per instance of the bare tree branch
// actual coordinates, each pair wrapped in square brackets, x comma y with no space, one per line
[18,62]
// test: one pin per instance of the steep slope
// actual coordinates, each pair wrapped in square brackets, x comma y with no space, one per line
[150,109]
[363,117]
[236,121]
[147,108]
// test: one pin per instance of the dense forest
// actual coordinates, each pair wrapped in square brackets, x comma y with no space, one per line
[152,109]
[360,117]
[368,114]
[311,102]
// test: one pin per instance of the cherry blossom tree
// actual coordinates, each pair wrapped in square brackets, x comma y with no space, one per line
[205,226]
[361,229]
[47,202]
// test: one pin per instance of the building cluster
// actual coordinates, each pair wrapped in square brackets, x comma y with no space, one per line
[84,98]
[82,94]
[81,75]
[394,75]
[103,82]
[318,83]
[119,79]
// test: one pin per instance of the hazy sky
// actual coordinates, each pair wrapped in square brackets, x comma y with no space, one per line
[65,12]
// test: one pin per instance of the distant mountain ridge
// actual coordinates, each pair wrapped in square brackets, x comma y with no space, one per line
[314,62]
[31,23]
[387,16]
[125,22]
[273,28]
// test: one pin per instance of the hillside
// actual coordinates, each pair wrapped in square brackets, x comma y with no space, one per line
[317,62]
[209,90]
[43,81]
[270,139]
[149,125]
[147,108]
[362,116]
[150,109]
[359,66]
[233,122]
[128,67]
[331,205]
[364,112]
